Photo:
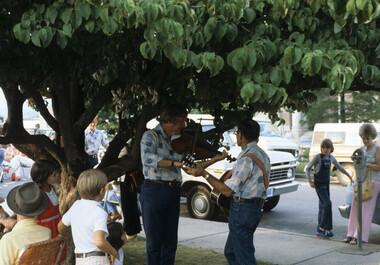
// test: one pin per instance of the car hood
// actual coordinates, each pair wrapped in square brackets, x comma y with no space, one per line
[275,157]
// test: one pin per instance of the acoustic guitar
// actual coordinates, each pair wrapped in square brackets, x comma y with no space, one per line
[224,201]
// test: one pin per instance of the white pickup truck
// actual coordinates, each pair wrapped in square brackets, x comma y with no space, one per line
[197,189]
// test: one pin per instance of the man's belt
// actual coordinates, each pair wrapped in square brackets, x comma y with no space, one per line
[171,184]
[257,201]
[93,156]
[89,254]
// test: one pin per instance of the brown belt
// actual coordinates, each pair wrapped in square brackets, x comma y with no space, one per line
[171,184]
[89,254]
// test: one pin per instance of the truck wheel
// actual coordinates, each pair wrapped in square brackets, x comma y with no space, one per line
[199,204]
[343,179]
[270,203]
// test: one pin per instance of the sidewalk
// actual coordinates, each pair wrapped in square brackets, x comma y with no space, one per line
[276,246]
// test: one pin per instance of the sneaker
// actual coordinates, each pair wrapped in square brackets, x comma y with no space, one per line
[324,234]
[329,233]
[321,234]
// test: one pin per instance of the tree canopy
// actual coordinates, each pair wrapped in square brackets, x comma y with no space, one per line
[224,57]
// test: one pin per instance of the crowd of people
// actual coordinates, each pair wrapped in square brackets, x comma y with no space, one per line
[97,235]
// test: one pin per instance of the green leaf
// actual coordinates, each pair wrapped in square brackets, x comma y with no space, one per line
[232,32]
[90,26]
[180,57]
[247,92]
[292,55]
[275,76]
[104,14]
[17,31]
[312,62]
[220,30]
[239,59]
[61,39]
[351,7]
[360,4]
[286,75]
[66,15]
[67,29]
[251,60]
[249,15]
[270,90]
[209,28]
[147,51]
[85,11]
[35,39]
[256,96]
[52,13]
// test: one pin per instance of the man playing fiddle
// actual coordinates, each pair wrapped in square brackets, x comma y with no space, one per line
[247,188]
[160,192]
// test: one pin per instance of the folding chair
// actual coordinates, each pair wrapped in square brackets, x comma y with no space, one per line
[46,252]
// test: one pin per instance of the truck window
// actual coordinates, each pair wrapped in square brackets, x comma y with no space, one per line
[336,137]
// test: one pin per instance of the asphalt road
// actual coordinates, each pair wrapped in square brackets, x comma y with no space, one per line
[297,212]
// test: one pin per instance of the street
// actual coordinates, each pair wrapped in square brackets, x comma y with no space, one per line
[297,212]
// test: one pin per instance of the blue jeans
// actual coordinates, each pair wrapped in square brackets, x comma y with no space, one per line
[160,213]
[325,213]
[110,206]
[93,161]
[243,221]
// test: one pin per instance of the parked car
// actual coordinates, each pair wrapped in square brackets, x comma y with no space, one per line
[346,208]
[197,190]
[346,139]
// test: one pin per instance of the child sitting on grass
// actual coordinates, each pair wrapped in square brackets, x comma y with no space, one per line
[322,167]
[88,221]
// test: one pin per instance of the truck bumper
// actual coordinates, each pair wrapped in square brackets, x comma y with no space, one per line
[282,189]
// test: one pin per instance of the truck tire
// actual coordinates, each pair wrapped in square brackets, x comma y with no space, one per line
[343,179]
[199,204]
[270,203]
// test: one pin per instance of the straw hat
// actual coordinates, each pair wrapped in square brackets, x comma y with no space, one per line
[28,199]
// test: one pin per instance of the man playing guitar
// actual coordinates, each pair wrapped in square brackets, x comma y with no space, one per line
[247,187]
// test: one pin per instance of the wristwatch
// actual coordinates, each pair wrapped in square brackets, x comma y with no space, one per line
[172,163]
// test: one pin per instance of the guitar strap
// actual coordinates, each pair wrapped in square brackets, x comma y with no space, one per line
[259,163]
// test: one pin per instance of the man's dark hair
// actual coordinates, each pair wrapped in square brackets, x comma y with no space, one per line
[115,231]
[250,129]
[171,112]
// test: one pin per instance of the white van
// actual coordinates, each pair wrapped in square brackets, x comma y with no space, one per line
[281,180]
[346,139]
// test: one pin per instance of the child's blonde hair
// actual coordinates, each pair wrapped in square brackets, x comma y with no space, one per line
[327,143]
[90,183]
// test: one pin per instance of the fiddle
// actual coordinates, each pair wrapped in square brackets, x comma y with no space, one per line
[199,149]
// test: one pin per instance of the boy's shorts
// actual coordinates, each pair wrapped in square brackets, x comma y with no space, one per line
[95,260]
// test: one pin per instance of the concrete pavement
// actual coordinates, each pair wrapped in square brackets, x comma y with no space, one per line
[277,247]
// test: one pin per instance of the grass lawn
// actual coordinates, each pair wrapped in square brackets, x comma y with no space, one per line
[134,254]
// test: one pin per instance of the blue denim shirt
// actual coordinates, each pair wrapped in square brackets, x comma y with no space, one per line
[247,179]
[156,146]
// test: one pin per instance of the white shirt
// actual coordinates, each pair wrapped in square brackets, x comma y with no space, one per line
[85,217]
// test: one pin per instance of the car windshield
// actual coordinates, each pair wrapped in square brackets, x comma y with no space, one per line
[229,137]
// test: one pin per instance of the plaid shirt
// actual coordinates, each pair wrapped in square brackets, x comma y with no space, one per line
[156,146]
[247,180]
[93,141]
